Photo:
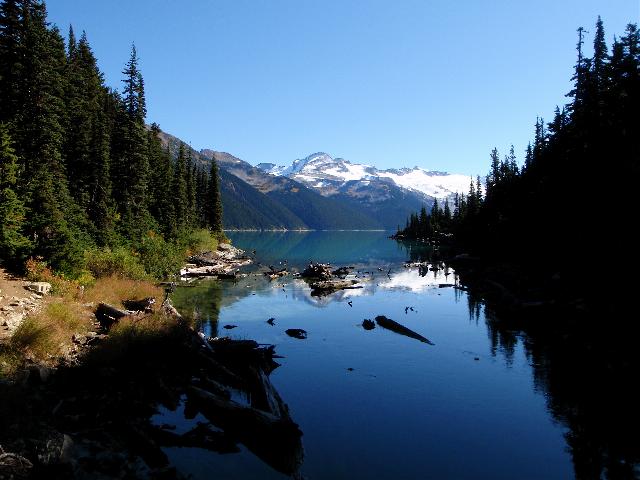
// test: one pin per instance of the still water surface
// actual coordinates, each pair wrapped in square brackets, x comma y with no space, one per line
[374,404]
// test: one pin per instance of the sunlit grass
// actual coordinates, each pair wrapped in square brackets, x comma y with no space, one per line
[49,332]
[115,289]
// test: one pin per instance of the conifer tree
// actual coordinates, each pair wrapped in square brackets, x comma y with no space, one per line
[55,222]
[214,208]
[11,56]
[133,164]
[191,191]
[180,200]
[13,244]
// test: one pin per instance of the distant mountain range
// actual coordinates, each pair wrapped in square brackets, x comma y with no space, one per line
[322,193]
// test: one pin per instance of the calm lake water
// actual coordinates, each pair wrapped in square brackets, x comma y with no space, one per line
[375,404]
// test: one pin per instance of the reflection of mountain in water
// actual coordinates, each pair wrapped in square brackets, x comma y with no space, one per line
[588,373]
[208,297]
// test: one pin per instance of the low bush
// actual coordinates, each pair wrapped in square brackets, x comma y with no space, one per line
[107,262]
[39,271]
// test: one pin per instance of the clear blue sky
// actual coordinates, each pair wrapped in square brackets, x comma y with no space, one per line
[390,83]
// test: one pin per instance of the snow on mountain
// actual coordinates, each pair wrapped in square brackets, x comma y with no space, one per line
[323,172]
[434,184]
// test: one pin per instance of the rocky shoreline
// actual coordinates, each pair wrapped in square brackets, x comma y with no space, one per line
[90,413]
[224,262]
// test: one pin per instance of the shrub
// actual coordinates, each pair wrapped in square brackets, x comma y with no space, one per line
[39,271]
[160,258]
[107,262]
[201,240]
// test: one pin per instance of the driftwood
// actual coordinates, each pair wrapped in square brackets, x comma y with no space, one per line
[144,305]
[107,315]
[334,285]
[394,326]
[277,441]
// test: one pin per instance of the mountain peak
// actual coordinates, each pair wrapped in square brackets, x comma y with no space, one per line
[322,171]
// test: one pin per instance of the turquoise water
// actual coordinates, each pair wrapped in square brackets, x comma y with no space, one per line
[375,404]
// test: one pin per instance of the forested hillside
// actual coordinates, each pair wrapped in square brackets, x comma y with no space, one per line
[571,208]
[80,170]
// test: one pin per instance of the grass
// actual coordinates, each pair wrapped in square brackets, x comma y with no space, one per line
[111,276]
[115,289]
[138,342]
[48,333]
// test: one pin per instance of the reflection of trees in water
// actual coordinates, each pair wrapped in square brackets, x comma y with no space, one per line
[201,301]
[588,373]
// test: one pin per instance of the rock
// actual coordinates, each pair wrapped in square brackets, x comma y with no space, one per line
[342,271]
[296,333]
[229,327]
[79,339]
[368,324]
[7,308]
[43,288]
[271,321]
[14,466]
[318,270]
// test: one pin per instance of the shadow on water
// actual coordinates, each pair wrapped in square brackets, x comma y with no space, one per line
[587,370]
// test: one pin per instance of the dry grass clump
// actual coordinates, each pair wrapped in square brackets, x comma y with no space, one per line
[46,334]
[10,361]
[138,340]
[114,290]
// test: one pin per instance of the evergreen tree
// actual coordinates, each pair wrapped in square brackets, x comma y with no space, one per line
[13,244]
[133,164]
[12,62]
[214,208]
[180,200]
[191,191]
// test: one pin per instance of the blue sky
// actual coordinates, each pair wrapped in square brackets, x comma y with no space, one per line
[390,83]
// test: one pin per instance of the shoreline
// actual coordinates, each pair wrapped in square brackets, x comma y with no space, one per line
[301,230]
[118,371]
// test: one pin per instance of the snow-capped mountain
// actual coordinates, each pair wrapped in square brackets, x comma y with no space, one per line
[331,175]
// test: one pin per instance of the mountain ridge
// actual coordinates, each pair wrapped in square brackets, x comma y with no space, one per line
[319,192]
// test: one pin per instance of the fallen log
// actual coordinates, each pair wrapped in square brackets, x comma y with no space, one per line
[143,305]
[107,315]
[277,441]
[394,326]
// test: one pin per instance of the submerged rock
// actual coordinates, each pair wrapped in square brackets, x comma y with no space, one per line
[296,333]
[368,324]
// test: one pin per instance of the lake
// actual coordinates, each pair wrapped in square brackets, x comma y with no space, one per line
[482,402]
